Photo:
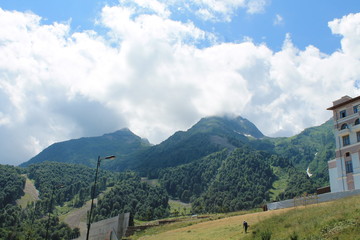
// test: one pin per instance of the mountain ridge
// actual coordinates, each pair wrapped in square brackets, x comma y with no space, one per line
[207,136]
[85,150]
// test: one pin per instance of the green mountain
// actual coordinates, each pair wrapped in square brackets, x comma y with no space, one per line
[219,164]
[251,173]
[209,135]
[311,149]
[85,151]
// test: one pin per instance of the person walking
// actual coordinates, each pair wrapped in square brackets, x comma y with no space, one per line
[245,226]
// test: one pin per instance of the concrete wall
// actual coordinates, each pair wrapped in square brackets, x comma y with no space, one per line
[105,229]
[326,197]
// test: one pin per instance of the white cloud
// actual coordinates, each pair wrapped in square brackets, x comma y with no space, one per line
[256,6]
[154,5]
[279,20]
[215,10]
[150,76]
[348,27]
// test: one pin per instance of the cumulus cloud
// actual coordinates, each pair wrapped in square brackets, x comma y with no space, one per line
[348,27]
[149,75]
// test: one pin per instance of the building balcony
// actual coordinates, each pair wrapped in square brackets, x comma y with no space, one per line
[344,132]
[348,118]
[355,128]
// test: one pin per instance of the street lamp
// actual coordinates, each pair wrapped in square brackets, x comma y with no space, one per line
[93,192]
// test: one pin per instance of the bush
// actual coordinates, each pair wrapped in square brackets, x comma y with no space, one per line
[294,236]
[265,235]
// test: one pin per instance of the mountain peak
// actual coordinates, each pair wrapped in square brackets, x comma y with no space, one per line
[237,124]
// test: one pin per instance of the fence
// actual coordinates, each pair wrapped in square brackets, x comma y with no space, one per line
[311,199]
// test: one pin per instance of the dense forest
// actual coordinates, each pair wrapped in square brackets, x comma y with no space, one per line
[311,148]
[11,185]
[143,201]
[72,183]
[68,182]
[28,223]
[242,182]
[230,181]
[188,181]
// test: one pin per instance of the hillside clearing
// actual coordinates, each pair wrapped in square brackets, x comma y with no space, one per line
[31,193]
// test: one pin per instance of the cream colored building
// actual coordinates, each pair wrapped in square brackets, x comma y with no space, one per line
[344,170]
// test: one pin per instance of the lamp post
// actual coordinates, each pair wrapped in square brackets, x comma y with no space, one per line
[93,192]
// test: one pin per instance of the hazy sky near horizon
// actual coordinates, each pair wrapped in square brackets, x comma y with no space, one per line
[80,68]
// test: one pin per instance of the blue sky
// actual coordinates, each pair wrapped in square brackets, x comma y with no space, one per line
[305,20]
[71,69]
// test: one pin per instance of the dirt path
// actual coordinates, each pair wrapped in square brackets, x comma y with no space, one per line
[78,217]
[222,229]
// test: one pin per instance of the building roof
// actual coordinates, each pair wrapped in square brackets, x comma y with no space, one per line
[343,101]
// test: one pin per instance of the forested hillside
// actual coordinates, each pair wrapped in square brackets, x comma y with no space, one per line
[223,181]
[11,185]
[193,165]
[230,181]
[143,201]
[68,182]
[122,143]
[242,182]
[208,136]
[28,223]
[311,149]
[69,185]
[188,181]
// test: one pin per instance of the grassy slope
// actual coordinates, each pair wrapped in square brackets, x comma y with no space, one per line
[319,221]
[280,184]
[31,194]
[224,228]
[333,220]
[179,208]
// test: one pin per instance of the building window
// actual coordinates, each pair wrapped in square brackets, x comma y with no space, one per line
[344,126]
[347,154]
[356,108]
[358,136]
[342,113]
[357,122]
[349,166]
[346,140]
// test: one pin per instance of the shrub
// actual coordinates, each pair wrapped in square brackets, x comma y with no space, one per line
[294,236]
[265,235]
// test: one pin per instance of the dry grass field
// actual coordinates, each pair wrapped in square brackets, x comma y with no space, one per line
[225,228]
[338,220]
